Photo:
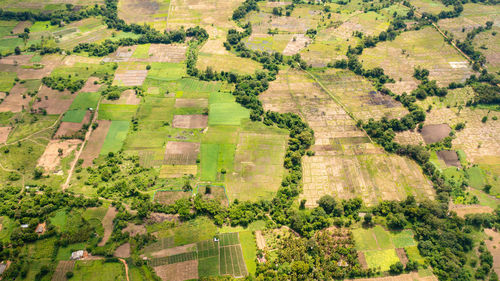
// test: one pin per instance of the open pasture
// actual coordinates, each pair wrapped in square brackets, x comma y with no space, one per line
[181,153]
[62,268]
[216,158]
[273,43]
[427,49]
[359,96]
[7,81]
[224,110]
[430,6]
[98,270]
[190,121]
[178,271]
[117,112]
[228,62]
[4,134]
[169,197]
[189,13]
[489,45]
[174,171]
[150,11]
[258,165]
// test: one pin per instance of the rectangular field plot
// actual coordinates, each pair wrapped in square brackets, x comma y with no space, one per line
[377,238]
[359,95]
[428,50]
[229,63]
[176,171]
[258,165]
[228,239]
[225,111]
[178,271]
[169,197]
[381,258]
[207,248]
[190,121]
[116,136]
[209,266]
[231,261]
[214,158]
[181,153]
[117,112]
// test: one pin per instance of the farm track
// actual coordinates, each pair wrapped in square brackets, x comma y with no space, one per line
[126,267]
[77,156]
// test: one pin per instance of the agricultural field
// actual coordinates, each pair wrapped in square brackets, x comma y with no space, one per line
[427,50]
[346,162]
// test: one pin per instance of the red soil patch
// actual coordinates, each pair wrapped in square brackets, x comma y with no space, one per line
[435,133]
[181,153]
[449,157]
[67,129]
[4,134]
[123,251]
[53,101]
[94,144]
[190,121]
[48,62]
[16,101]
[107,223]
[463,210]
[362,260]
[90,86]
[169,197]
[17,60]
[21,26]
[51,158]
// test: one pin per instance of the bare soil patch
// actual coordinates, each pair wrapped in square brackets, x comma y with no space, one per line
[90,86]
[190,121]
[134,229]
[494,248]
[181,153]
[409,137]
[51,158]
[4,134]
[167,52]
[107,223]
[121,55]
[16,101]
[94,144]
[169,197]
[449,157]
[174,251]
[21,26]
[434,133]
[362,260]
[127,97]
[178,271]
[53,101]
[123,251]
[67,129]
[130,78]
[297,43]
[402,256]
[463,210]
[191,103]
[261,242]
[49,62]
[16,60]
[161,217]
[61,269]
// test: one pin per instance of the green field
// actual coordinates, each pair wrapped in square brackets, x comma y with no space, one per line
[225,111]
[249,247]
[382,259]
[141,51]
[117,112]
[165,71]
[85,101]
[74,116]
[98,270]
[8,226]
[7,80]
[214,158]
[115,137]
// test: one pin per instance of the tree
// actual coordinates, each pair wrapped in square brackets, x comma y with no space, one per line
[396,268]
[368,219]
[187,186]
[328,203]
[17,50]
[60,152]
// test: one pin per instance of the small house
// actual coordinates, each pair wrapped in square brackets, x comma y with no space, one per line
[77,255]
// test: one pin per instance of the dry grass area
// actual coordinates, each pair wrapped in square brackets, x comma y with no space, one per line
[189,13]
[174,251]
[169,197]
[130,77]
[49,62]
[409,137]
[167,53]
[123,251]
[346,163]
[359,95]
[16,101]
[190,121]
[463,210]
[134,229]
[95,142]
[494,248]
[53,101]
[51,158]
[427,49]
[4,134]
[489,45]
[214,46]
[181,153]
[178,271]
[61,269]
[414,276]
[176,171]
[262,22]
[141,11]
[107,223]
[227,62]
[91,86]
[191,103]
[122,54]
[297,43]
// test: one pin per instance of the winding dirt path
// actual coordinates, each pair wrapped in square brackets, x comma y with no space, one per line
[126,267]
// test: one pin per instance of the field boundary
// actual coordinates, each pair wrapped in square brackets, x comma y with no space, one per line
[168,190]
[205,185]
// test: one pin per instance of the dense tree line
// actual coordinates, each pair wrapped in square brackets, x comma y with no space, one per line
[56,17]
[467,46]
[61,83]
[245,8]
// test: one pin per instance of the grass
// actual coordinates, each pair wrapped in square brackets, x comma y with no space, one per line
[59,219]
[85,101]
[115,137]
[476,177]
[98,270]
[74,116]
[214,158]
[208,267]
[377,238]
[117,112]
[225,111]
[381,258]
[228,63]
[414,254]
[9,44]
[164,71]
[7,80]
[141,51]
[8,226]
[84,70]
[249,247]
[64,253]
